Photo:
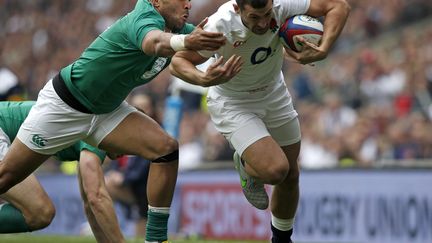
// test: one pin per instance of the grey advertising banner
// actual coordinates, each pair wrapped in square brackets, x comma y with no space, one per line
[357,206]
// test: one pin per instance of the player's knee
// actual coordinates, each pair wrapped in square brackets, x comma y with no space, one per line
[277,172]
[292,179]
[44,216]
[168,146]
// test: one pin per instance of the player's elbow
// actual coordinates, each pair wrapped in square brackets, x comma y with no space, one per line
[172,69]
[344,6]
[96,200]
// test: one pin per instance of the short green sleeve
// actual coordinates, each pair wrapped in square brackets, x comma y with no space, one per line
[143,19]
[100,153]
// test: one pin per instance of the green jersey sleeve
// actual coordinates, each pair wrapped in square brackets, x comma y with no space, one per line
[142,20]
[100,153]
[12,115]
[73,152]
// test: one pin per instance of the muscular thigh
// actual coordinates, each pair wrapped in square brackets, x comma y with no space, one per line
[136,134]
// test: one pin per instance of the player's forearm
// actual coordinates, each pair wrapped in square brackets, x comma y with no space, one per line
[335,20]
[186,71]
[158,43]
[105,218]
[96,229]
[96,198]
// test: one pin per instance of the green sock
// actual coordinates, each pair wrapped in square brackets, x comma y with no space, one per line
[157,224]
[12,220]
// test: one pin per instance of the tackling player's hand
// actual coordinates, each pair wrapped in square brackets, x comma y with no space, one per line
[199,39]
[219,72]
[309,54]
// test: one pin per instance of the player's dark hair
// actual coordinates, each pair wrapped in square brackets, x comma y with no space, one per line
[253,3]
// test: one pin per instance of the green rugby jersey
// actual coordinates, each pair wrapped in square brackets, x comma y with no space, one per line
[13,114]
[114,63]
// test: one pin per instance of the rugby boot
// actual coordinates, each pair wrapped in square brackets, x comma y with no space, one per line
[253,189]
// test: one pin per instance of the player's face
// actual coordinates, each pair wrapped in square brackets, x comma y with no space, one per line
[257,19]
[175,13]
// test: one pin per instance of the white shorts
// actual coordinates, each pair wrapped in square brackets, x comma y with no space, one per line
[247,117]
[52,125]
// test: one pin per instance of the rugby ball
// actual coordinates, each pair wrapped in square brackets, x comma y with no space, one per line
[310,28]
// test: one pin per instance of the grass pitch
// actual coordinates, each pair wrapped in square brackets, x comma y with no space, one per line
[34,238]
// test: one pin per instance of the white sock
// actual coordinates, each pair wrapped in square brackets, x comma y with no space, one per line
[282,224]
[164,210]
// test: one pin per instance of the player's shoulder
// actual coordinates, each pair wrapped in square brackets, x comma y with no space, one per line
[144,11]
[285,8]
[281,7]
[224,18]
[13,106]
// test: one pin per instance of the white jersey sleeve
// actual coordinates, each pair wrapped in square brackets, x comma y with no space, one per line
[220,22]
[290,8]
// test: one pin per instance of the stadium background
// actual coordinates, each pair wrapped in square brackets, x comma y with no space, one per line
[365,113]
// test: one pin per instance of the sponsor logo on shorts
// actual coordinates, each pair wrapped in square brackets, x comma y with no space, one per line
[38,140]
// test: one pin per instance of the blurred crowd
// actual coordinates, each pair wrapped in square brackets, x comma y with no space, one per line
[370,101]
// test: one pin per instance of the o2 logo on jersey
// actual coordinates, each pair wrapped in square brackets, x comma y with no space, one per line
[260,55]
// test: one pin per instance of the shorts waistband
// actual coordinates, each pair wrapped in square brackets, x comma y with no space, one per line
[64,93]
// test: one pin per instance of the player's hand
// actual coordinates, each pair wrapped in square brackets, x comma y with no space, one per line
[200,39]
[309,54]
[219,72]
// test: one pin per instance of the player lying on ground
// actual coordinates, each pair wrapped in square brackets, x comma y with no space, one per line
[28,206]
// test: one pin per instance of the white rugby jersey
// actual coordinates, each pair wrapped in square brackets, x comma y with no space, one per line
[262,54]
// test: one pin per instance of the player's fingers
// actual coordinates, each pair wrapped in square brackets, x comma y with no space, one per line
[299,39]
[238,65]
[202,23]
[214,39]
[216,63]
[213,43]
[312,45]
[232,61]
[233,64]
[294,55]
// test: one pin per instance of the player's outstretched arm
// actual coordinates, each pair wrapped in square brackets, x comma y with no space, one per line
[97,202]
[183,66]
[159,43]
[336,13]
